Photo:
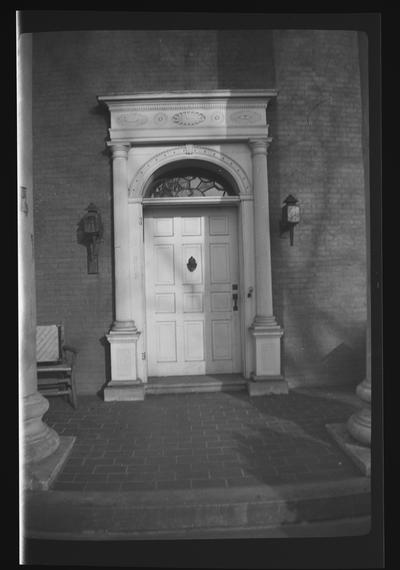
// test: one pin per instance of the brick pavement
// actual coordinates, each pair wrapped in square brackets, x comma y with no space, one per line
[193,441]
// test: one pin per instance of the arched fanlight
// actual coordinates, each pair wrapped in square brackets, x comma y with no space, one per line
[189,182]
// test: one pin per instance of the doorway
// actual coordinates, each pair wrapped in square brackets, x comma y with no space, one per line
[192,290]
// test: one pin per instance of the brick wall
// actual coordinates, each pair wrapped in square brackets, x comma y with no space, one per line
[316,155]
[319,284]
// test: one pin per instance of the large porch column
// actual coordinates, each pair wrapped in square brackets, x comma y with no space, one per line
[359,424]
[124,335]
[354,436]
[42,450]
[267,377]
[38,439]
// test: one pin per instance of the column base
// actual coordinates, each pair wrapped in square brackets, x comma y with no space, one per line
[359,454]
[124,326]
[39,439]
[267,385]
[40,475]
[363,390]
[359,426]
[124,391]
[123,349]
[267,339]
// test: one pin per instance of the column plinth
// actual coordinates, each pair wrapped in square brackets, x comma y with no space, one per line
[40,440]
[267,377]
[359,424]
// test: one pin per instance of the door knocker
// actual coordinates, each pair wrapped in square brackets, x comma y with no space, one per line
[191,264]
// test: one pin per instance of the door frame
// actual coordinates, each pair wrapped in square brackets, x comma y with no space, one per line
[229,129]
[245,226]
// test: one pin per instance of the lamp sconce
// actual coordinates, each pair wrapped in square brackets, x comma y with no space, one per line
[290,216]
[90,232]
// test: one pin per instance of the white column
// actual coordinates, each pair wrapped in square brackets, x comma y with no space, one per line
[38,440]
[262,232]
[123,314]
[266,377]
[354,436]
[359,424]
[124,335]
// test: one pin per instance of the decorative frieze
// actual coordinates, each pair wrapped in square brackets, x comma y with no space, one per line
[246,117]
[188,118]
[171,116]
[132,119]
[185,116]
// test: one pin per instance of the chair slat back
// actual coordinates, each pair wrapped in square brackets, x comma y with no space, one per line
[48,346]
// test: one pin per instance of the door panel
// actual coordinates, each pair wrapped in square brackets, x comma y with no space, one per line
[194,340]
[219,261]
[221,340]
[191,325]
[165,302]
[166,341]
[192,302]
[164,264]
[191,226]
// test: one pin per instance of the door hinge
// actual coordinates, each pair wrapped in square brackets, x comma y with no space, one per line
[140,220]
[143,356]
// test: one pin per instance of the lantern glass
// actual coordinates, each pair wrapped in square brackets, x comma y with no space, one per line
[90,224]
[293,214]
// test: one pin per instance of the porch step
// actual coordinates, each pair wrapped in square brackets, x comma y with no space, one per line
[150,514]
[193,384]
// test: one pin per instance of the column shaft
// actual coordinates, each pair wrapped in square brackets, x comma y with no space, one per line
[266,378]
[359,424]
[123,312]
[262,231]
[38,439]
[123,337]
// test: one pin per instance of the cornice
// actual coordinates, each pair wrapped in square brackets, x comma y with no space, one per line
[216,94]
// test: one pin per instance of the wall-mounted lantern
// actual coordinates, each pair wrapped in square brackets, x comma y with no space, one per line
[290,216]
[90,232]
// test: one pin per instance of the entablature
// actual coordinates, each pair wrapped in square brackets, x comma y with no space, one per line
[184,116]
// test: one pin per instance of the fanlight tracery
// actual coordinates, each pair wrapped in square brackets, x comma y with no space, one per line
[189,183]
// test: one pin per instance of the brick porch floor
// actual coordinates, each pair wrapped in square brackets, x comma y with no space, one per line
[194,441]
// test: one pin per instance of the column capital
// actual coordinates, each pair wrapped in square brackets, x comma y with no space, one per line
[119,150]
[259,145]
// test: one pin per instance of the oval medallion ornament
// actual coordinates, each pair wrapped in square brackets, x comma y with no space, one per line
[188,118]
[244,117]
[191,264]
[134,119]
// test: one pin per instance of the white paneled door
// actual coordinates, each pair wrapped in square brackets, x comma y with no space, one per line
[192,291]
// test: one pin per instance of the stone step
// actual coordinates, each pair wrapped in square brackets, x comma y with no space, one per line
[121,515]
[195,384]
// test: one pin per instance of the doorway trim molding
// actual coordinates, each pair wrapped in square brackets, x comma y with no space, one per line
[228,129]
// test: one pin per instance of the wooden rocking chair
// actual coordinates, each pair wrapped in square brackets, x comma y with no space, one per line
[55,363]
